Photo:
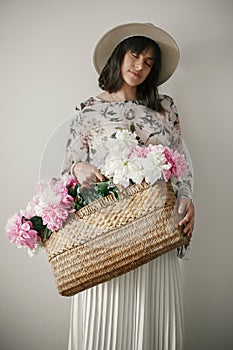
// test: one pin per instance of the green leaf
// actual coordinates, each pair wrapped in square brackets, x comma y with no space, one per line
[47,233]
[37,223]
[40,228]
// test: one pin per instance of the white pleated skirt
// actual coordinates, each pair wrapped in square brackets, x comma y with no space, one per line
[141,310]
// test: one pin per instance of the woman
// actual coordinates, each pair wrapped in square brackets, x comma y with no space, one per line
[141,310]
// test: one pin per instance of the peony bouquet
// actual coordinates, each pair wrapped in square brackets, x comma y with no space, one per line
[49,209]
[56,199]
[128,162]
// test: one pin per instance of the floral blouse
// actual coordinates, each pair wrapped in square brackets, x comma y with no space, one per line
[97,120]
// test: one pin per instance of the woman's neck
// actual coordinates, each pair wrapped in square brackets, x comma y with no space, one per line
[120,95]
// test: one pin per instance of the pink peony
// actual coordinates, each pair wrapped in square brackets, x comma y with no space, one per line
[177,161]
[66,200]
[20,232]
[71,182]
[53,192]
[52,204]
[53,216]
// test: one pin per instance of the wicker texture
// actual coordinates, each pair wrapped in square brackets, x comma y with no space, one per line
[109,238]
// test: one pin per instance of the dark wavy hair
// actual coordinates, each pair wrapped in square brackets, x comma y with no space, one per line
[111,80]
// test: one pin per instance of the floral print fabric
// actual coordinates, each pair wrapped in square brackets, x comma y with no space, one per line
[97,120]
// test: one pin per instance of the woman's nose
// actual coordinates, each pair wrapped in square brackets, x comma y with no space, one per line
[139,64]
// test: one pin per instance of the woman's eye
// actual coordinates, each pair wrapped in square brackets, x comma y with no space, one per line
[134,54]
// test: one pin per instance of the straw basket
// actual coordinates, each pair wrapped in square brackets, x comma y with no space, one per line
[110,237]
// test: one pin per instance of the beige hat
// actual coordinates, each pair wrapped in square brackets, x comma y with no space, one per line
[169,50]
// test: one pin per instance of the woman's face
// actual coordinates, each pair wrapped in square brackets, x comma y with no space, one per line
[136,67]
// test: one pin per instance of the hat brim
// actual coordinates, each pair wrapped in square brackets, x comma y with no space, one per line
[170,54]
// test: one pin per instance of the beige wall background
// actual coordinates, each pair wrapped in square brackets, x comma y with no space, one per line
[46,70]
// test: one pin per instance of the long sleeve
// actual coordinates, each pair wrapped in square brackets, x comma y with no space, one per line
[77,146]
[184,185]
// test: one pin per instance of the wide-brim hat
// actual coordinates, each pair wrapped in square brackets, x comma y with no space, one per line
[170,53]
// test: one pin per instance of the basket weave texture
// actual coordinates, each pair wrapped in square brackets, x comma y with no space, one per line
[110,237]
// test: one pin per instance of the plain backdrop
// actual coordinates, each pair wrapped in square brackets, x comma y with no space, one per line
[45,71]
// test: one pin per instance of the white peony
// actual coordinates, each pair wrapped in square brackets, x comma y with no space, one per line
[151,172]
[121,170]
[127,161]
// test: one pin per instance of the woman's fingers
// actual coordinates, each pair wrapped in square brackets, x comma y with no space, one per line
[94,176]
[182,208]
[87,174]
[99,176]
[186,208]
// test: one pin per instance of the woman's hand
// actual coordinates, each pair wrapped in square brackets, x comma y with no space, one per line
[87,174]
[186,208]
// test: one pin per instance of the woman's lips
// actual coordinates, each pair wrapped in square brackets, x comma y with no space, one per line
[135,74]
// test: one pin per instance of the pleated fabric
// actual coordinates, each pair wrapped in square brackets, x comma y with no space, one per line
[141,310]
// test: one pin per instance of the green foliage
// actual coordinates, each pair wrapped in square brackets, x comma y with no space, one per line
[37,223]
[40,228]
[87,195]
[72,191]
